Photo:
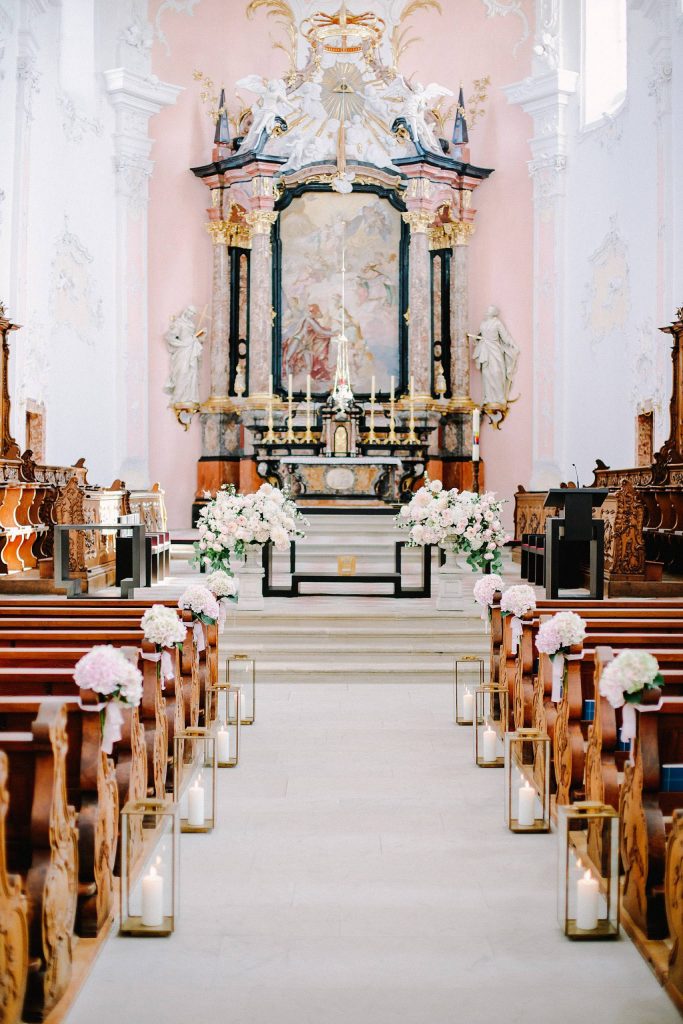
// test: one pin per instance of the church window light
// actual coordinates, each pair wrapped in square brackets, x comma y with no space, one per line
[603,58]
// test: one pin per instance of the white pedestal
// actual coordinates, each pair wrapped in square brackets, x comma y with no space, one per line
[449,596]
[250,574]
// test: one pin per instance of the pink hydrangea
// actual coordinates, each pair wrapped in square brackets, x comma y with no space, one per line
[630,672]
[106,671]
[200,601]
[518,600]
[486,587]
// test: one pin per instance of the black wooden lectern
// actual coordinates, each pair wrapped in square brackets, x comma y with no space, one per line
[568,538]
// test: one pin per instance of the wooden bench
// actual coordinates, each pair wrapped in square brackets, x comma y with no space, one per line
[42,848]
[13,921]
[92,790]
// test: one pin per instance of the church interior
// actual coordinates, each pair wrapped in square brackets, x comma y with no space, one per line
[341,445]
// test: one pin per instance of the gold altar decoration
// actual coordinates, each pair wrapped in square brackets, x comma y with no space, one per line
[490,724]
[240,675]
[588,901]
[400,41]
[463,703]
[149,892]
[194,778]
[527,781]
[343,32]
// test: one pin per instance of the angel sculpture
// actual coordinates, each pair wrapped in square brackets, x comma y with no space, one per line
[418,103]
[272,103]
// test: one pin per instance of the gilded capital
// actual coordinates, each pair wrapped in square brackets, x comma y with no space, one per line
[445,236]
[462,230]
[229,232]
[219,231]
[261,221]
[419,221]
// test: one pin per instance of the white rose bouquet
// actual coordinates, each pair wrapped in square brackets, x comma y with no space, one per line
[485,588]
[232,521]
[461,521]
[162,627]
[116,681]
[517,601]
[624,681]
[554,638]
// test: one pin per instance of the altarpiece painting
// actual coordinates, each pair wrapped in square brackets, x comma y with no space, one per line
[314,231]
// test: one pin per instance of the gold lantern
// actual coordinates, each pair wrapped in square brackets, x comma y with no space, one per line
[240,672]
[463,688]
[527,781]
[491,715]
[149,883]
[588,900]
[194,778]
[221,699]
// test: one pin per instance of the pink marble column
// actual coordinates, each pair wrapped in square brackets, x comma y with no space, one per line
[220,310]
[460,351]
[419,332]
[260,301]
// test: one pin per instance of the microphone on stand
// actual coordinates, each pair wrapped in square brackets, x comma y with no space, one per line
[577,474]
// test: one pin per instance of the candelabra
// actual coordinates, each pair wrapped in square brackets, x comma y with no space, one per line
[412,437]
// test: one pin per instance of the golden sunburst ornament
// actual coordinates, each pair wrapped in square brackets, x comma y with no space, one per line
[342,91]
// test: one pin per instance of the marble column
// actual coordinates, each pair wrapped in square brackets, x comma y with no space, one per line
[260,302]
[419,331]
[459,310]
[220,311]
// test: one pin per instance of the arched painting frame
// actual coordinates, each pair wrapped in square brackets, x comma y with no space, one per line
[307,243]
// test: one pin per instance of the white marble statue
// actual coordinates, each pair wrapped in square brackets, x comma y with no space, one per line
[361,145]
[185,348]
[497,355]
[417,104]
[272,103]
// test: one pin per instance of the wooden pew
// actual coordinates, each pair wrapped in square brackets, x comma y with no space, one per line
[93,792]
[13,923]
[673,897]
[48,671]
[644,807]
[563,721]
[51,633]
[42,847]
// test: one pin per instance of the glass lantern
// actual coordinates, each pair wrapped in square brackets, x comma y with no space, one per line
[465,681]
[194,778]
[588,898]
[527,760]
[149,880]
[491,711]
[240,672]
[219,702]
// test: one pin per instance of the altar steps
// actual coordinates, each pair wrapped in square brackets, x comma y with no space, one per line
[354,639]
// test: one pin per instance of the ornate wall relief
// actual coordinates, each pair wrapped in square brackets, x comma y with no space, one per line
[178,7]
[607,300]
[75,122]
[74,299]
[498,8]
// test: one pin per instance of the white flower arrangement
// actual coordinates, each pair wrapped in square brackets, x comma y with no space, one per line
[107,672]
[222,584]
[626,678]
[518,600]
[554,638]
[162,627]
[485,588]
[461,521]
[201,602]
[232,521]
[557,635]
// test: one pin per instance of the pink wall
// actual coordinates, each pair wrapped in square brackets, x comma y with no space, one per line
[460,45]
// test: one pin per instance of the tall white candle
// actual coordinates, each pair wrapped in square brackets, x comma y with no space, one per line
[152,899]
[270,385]
[223,746]
[195,805]
[308,387]
[525,811]
[372,391]
[468,707]
[489,744]
[412,385]
[476,424]
[587,902]
[476,420]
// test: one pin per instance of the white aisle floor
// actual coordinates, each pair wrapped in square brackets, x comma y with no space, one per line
[361,873]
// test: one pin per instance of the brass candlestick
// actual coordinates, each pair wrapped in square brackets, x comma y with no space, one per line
[372,436]
[392,437]
[269,436]
[412,437]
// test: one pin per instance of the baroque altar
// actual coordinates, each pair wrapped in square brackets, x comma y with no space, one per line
[341,160]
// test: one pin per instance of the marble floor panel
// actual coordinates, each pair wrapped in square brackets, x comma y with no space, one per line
[361,873]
